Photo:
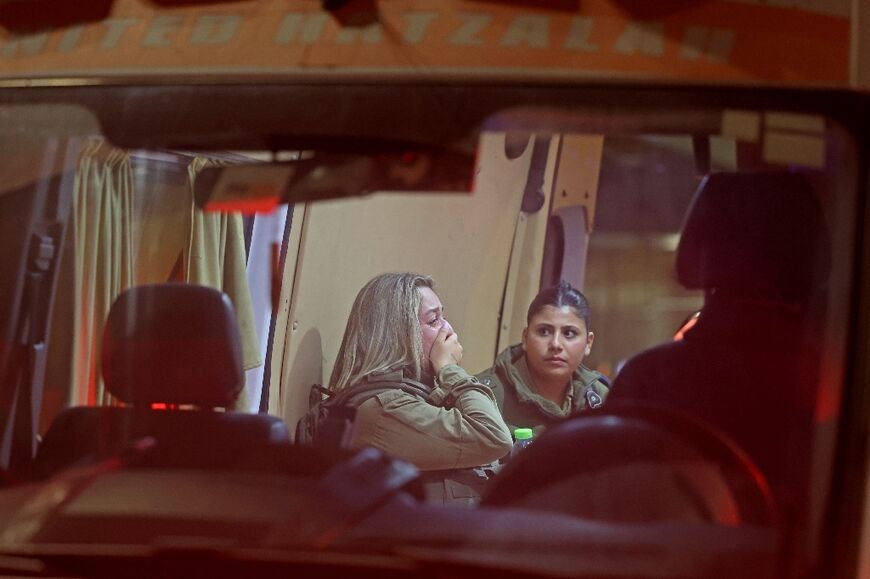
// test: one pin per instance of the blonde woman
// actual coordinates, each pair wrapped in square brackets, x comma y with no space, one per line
[397,330]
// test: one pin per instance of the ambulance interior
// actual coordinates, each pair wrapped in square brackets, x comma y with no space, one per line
[102,198]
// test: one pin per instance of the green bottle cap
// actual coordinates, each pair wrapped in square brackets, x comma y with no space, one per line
[523,433]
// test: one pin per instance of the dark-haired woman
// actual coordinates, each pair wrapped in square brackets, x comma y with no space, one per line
[542,380]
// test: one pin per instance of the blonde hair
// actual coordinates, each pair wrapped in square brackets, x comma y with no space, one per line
[383,330]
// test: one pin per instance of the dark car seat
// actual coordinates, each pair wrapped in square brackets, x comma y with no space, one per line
[756,244]
[173,345]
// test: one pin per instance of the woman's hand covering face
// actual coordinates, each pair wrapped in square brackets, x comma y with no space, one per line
[440,343]
[446,349]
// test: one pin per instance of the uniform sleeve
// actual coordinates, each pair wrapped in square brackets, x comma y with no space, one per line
[593,395]
[489,377]
[461,428]
[602,389]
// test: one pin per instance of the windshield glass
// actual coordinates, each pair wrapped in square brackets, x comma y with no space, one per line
[625,322]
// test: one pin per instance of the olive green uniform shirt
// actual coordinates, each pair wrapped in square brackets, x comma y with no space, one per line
[461,428]
[522,407]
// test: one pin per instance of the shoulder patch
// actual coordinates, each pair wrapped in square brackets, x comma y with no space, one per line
[593,399]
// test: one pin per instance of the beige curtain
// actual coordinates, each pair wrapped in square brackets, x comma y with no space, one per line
[111,245]
[103,264]
[216,258]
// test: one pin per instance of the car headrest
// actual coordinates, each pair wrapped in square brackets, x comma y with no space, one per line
[173,343]
[759,235]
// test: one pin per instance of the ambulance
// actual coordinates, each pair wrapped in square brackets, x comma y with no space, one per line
[193,193]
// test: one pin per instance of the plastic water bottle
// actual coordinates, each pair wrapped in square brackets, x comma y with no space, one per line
[522,438]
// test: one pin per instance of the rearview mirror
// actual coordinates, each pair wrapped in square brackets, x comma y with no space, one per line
[252,188]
